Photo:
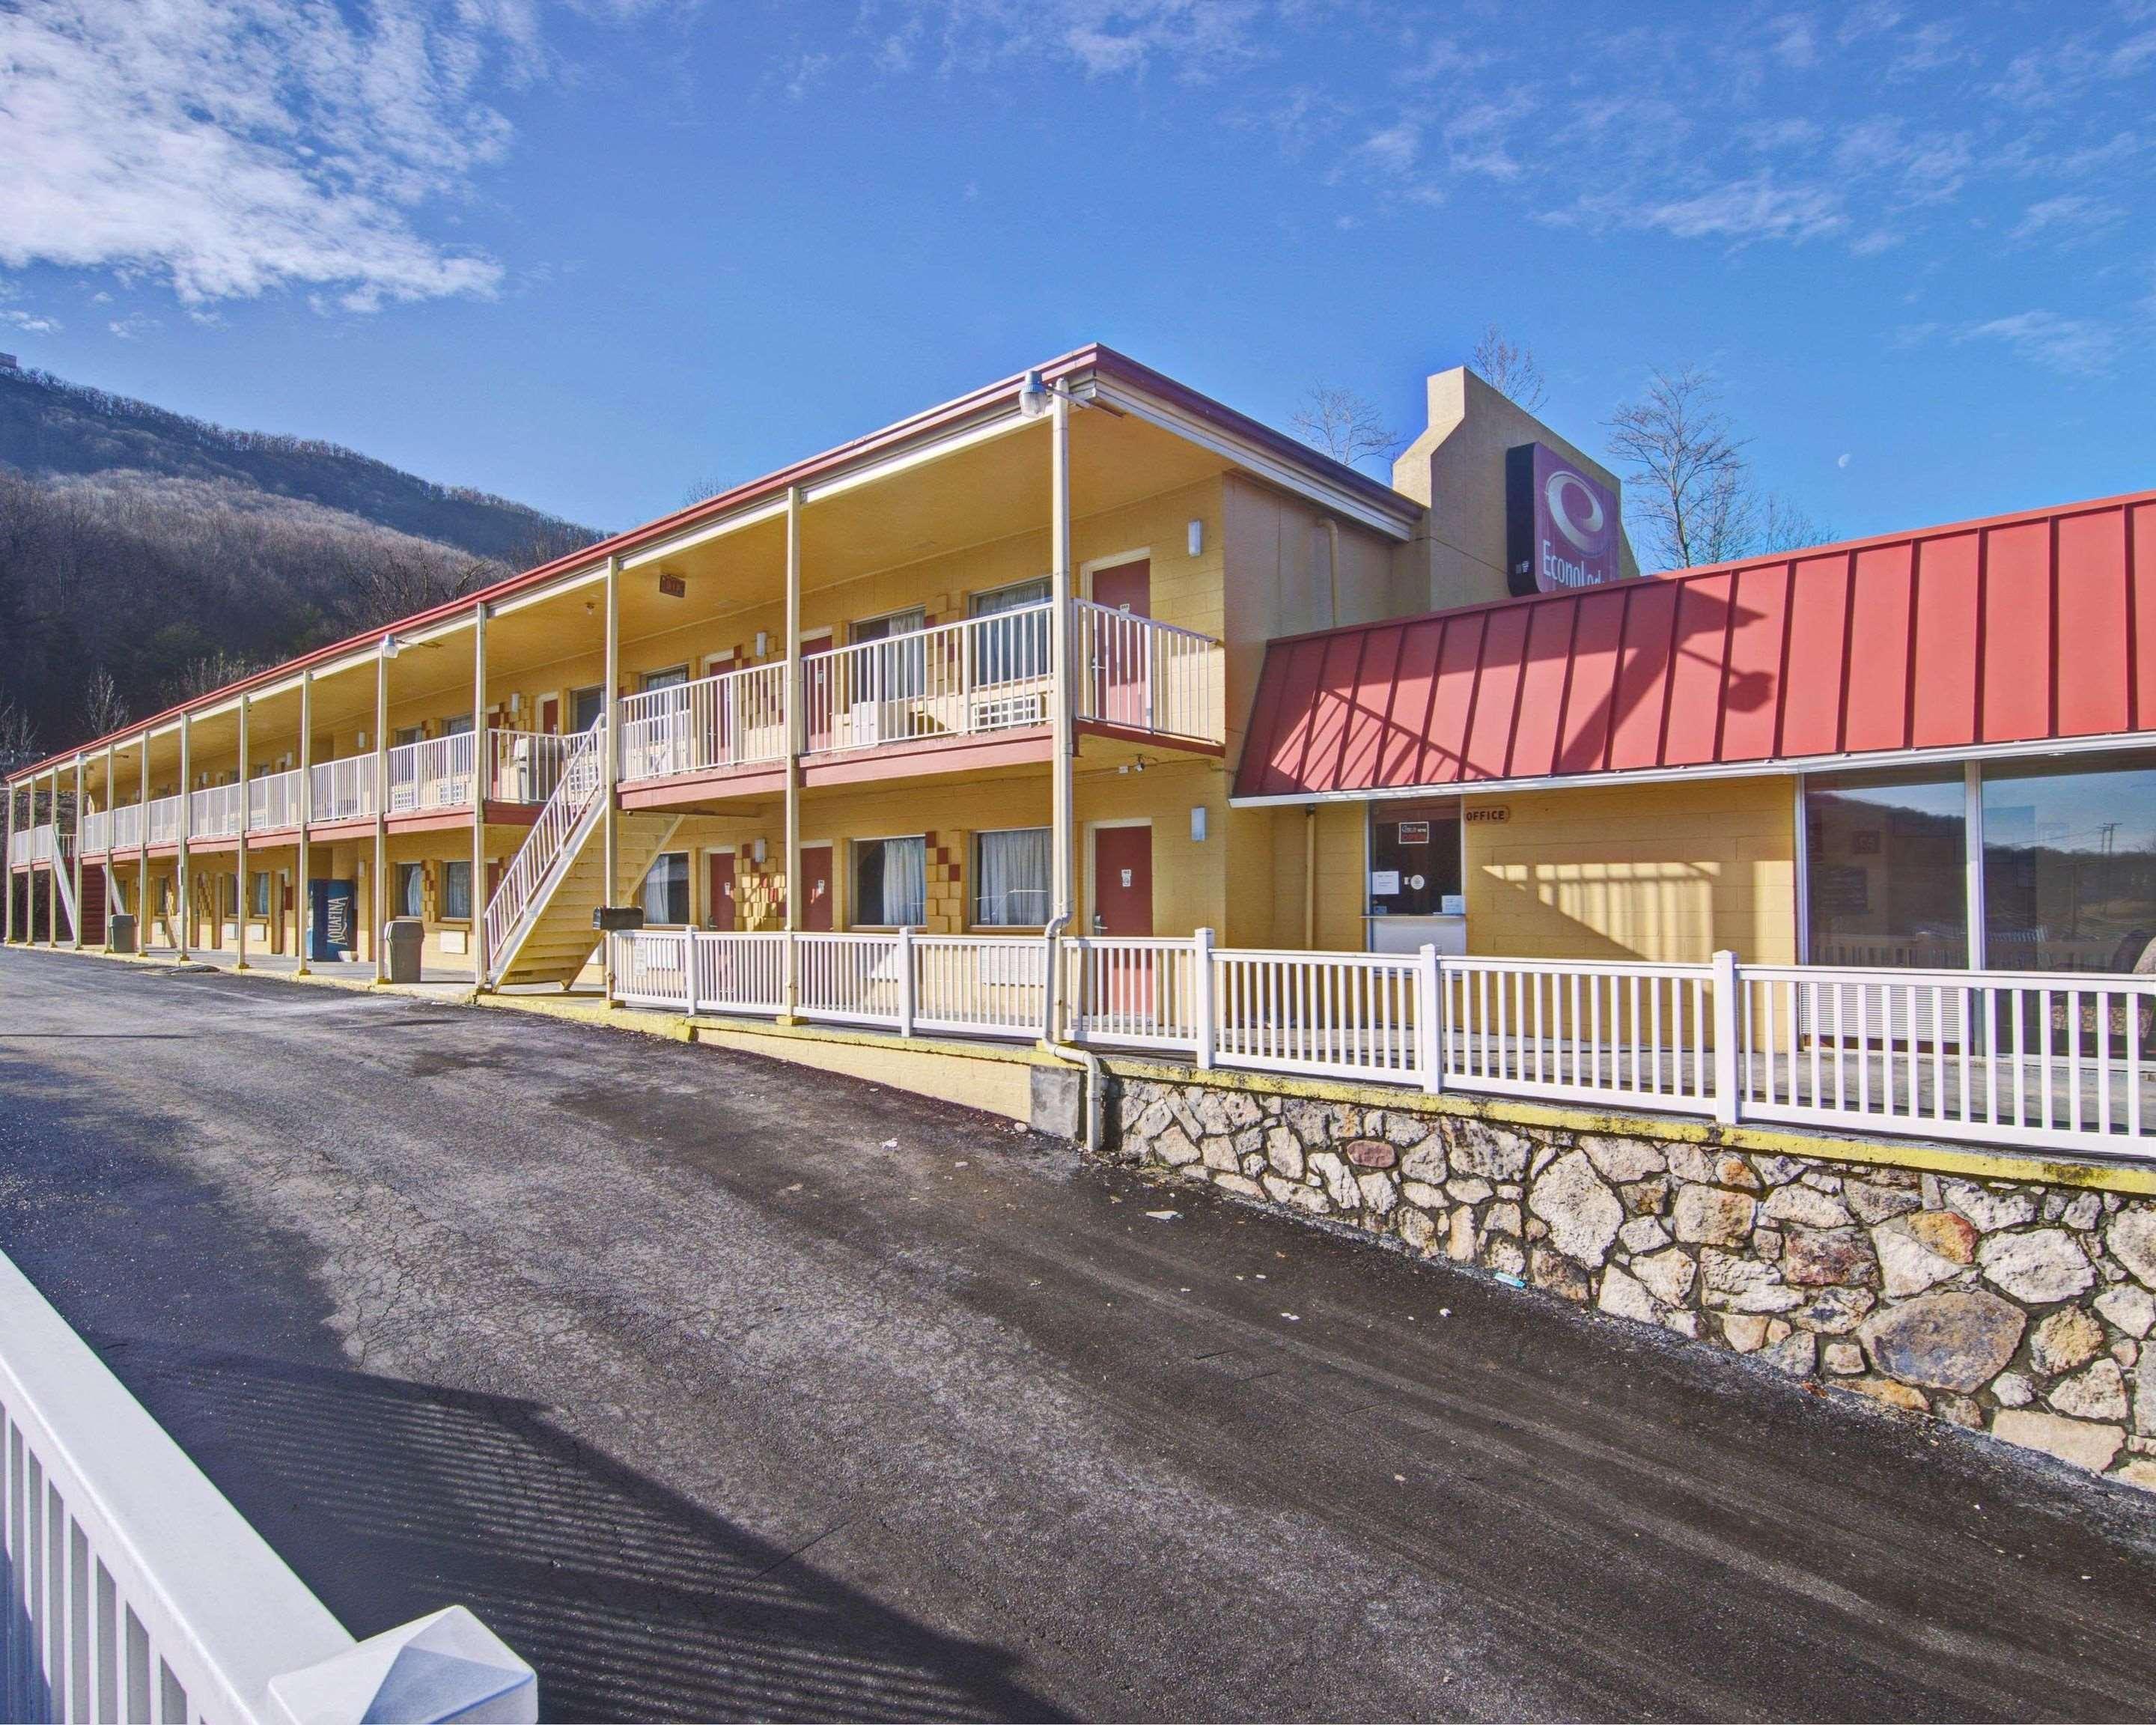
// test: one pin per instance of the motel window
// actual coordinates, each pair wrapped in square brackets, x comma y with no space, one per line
[2070,864]
[898,671]
[890,882]
[405,735]
[1011,878]
[1887,867]
[584,707]
[1016,649]
[456,891]
[666,889]
[1415,867]
[258,894]
[411,900]
[673,679]
[456,728]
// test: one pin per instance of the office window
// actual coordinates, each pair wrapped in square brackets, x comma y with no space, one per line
[666,889]
[456,891]
[1011,878]
[1886,866]
[2070,864]
[411,894]
[890,882]
[1415,868]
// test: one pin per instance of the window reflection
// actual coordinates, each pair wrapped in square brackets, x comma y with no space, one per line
[2069,866]
[1887,868]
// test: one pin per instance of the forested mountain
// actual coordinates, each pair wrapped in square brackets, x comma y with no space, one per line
[145,555]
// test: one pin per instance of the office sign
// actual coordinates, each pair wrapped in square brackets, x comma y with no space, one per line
[1561,526]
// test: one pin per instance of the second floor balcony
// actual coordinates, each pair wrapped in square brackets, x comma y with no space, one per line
[982,677]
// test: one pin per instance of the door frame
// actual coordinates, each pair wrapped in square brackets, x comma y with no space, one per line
[700,886]
[1085,912]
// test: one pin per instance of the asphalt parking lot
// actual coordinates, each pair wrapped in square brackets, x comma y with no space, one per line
[721,1388]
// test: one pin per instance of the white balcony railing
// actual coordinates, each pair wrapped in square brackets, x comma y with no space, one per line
[2038,1062]
[432,775]
[344,789]
[214,812]
[524,766]
[273,803]
[39,845]
[987,673]
[125,833]
[1138,674]
[735,719]
[97,834]
[550,847]
[167,816]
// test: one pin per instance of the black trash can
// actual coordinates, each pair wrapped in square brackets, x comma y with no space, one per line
[119,933]
[404,944]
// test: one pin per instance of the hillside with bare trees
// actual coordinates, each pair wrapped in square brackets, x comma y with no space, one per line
[146,557]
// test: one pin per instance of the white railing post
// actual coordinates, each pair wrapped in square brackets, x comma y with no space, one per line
[1429,1020]
[1725,1051]
[689,968]
[905,988]
[1201,992]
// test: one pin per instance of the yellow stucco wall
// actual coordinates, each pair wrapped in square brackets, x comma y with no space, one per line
[1667,872]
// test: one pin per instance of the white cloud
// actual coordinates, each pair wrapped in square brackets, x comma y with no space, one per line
[2079,344]
[234,147]
[1745,210]
[2069,214]
[31,323]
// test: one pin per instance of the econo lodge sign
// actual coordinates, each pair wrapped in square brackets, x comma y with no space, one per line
[1561,526]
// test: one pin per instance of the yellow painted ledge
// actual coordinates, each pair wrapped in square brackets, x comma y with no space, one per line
[2139,1179]
[997,1078]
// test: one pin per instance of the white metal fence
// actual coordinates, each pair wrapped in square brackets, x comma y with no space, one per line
[165,819]
[274,801]
[524,765]
[344,789]
[436,773]
[39,845]
[732,719]
[137,1592]
[1143,675]
[213,812]
[2054,1062]
[95,837]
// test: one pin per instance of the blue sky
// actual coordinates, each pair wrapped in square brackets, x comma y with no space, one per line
[589,254]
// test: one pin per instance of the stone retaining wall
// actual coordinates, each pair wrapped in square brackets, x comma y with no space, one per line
[2018,1308]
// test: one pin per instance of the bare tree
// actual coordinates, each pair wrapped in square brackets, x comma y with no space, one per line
[104,708]
[1346,426]
[18,736]
[1508,368]
[1688,483]
[710,485]
[212,670]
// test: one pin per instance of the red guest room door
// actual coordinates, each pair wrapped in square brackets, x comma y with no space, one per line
[1120,650]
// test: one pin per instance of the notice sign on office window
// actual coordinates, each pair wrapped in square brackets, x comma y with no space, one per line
[1415,831]
[1384,882]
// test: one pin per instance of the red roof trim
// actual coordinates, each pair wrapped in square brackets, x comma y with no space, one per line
[2013,628]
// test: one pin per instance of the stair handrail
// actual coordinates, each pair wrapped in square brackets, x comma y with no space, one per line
[525,881]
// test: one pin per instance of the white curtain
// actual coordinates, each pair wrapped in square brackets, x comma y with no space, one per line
[1013,888]
[905,882]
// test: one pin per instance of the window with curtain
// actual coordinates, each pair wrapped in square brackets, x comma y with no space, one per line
[258,894]
[411,899]
[1887,869]
[890,882]
[1016,649]
[456,891]
[1011,878]
[666,889]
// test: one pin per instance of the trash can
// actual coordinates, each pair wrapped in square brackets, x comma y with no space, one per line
[119,933]
[404,942]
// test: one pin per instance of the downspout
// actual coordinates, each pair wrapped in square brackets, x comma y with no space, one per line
[1053,1041]
[1310,878]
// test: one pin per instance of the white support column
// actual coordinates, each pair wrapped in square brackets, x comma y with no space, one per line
[303,905]
[1429,1020]
[1064,833]
[906,982]
[482,771]
[797,739]
[242,887]
[610,759]
[52,869]
[75,933]
[142,850]
[111,868]
[378,908]
[183,906]
[7,910]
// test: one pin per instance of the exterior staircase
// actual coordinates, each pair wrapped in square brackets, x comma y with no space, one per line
[539,920]
[62,874]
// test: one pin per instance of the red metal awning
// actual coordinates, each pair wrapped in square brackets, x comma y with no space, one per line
[2014,629]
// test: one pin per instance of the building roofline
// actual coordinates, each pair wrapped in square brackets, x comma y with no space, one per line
[1803,554]
[1078,364]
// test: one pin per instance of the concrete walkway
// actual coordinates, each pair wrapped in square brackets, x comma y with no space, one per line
[724,1388]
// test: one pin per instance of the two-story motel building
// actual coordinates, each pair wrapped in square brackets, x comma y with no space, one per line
[1085,650]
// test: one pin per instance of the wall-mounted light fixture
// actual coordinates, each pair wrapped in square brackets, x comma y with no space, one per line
[1197,537]
[759,850]
[762,643]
